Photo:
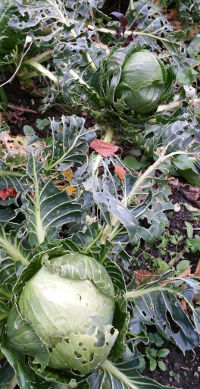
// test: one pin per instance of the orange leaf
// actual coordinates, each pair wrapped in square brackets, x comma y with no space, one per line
[70,190]
[61,185]
[120,171]
[68,174]
[103,148]
[7,192]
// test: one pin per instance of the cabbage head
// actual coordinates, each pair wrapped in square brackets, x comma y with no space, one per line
[134,79]
[63,317]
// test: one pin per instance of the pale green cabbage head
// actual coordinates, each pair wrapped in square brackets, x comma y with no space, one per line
[69,304]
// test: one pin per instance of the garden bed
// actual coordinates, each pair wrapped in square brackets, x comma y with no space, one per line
[123,195]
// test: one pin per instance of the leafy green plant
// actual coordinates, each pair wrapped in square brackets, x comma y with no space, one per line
[188,168]
[31,248]
[153,353]
[95,202]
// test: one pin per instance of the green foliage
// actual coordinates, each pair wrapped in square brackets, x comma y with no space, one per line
[189,168]
[63,190]
[128,83]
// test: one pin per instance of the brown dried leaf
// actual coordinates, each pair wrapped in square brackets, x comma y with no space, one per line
[103,148]
[70,190]
[192,193]
[61,185]
[68,174]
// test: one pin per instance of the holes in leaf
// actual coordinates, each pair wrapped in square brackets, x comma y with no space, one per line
[77,355]
[112,331]
[80,344]
[76,372]
[144,313]
[84,362]
[172,324]
[67,340]
[91,357]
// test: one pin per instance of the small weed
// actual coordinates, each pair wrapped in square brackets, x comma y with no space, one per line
[175,376]
[153,355]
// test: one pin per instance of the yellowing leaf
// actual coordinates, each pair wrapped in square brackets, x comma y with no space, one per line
[70,190]
[17,144]
[68,174]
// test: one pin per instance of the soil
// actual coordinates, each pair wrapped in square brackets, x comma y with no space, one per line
[183,371]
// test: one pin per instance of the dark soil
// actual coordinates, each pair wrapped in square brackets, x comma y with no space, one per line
[185,368]
[115,6]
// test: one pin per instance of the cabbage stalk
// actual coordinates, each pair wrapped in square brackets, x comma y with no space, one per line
[65,311]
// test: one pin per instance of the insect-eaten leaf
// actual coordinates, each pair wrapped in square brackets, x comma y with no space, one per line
[68,174]
[103,148]
[17,144]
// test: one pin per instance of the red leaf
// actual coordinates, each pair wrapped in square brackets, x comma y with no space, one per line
[142,276]
[120,171]
[6,192]
[103,148]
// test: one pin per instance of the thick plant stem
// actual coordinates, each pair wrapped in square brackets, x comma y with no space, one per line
[112,369]
[6,173]
[133,294]
[89,247]
[42,70]
[40,230]
[47,73]
[162,158]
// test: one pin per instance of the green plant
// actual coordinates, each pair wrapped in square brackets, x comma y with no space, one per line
[175,376]
[154,354]
[34,210]
[134,79]
[188,168]
[66,310]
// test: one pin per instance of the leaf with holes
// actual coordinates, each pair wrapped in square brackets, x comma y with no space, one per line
[50,208]
[70,143]
[159,303]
